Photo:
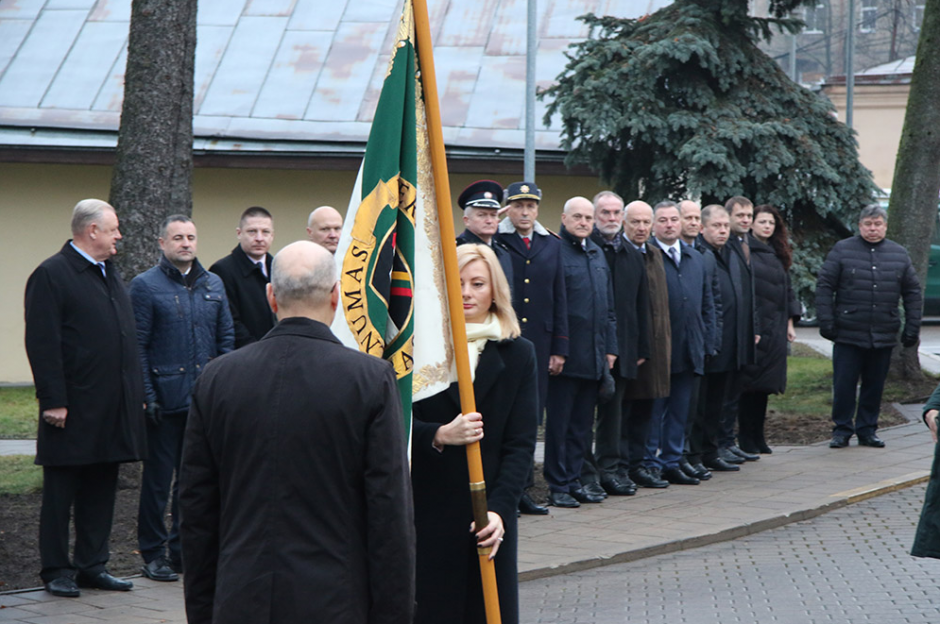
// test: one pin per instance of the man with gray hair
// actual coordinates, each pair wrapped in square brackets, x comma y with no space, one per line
[81,347]
[857,294]
[295,491]
[183,321]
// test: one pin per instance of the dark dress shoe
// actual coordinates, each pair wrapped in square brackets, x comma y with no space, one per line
[749,447]
[595,489]
[64,587]
[583,496]
[529,507]
[562,499]
[744,454]
[764,449]
[644,478]
[872,441]
[159,570]
[701,472]
[103,581]
[717,464]
[839,441]
[729,457]
[677,477]
[686,467]
[616,486]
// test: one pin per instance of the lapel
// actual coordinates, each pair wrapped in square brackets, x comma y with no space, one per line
[489,368]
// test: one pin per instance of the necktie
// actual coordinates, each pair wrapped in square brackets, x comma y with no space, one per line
[261,266]
[674,254]
[747,250]
[528,243]
[103,271]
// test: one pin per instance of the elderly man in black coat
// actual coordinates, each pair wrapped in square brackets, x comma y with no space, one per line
[480,203]
[572,394]
[294,489]
[602,471]
[80,340]
[857,294]
[246,272]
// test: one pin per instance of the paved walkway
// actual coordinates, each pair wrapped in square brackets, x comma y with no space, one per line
[793,484]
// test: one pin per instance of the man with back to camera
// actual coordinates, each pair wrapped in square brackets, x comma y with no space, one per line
[246,272]
[183,321]
[538,292]
[295,490]
[81,348]
[480,203]
[324,226]
[857,294]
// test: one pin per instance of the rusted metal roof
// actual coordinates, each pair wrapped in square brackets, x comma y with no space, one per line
[270,71]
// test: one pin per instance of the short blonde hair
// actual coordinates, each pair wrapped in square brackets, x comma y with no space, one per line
[502,300]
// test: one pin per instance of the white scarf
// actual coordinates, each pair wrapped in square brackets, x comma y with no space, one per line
[478,334]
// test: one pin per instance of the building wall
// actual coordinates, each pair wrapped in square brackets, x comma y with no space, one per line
[878,117]
[37,201]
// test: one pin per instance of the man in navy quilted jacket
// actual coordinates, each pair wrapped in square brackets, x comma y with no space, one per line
[857,294]
[183,321]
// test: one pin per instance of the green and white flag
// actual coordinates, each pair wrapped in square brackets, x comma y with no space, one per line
[393,300]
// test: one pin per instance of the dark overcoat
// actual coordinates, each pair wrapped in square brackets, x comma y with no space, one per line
[858,289]
[927,538]
[82,347]
[448,581]
[652,381]
[713,334]
[691,309]
[245,287]
[631,301]
[502,254]
[295,496]
[592,324]
[736,348]
[776,304]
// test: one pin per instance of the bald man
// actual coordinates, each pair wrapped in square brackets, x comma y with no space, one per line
[293,409]
[324,225]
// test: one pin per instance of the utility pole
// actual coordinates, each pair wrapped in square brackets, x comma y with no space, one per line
[850,64]
[530,52]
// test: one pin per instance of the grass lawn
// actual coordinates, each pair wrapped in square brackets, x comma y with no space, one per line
[18,475]
[19,413]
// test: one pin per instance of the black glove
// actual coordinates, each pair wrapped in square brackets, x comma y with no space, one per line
[154,413]
[828,332]
[909,339]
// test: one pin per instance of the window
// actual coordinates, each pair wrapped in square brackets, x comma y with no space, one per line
[868,17]
[918,18]
[815,18]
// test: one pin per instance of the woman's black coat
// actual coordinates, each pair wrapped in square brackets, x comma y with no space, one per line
[448,576]
[776,304]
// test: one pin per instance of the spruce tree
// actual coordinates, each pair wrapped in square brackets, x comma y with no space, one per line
[682,103]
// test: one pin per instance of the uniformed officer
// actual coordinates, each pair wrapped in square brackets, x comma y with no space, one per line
[538,289]
[480,202]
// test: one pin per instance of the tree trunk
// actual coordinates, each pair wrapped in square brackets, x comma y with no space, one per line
[916,186]
[152,175]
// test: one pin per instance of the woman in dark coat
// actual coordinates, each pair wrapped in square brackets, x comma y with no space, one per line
[448,573]
[927,538]
[777,310]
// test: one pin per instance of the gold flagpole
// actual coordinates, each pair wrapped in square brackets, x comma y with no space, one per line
[454,296]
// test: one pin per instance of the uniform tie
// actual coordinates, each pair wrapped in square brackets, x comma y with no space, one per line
[528,243]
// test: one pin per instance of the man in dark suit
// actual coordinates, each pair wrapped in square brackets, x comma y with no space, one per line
[593,326]
[538,290]
[80,340]
[295,491]
[741,214]
[246,272]
[602,472]
[480,203]
[691,310]
[735,341]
